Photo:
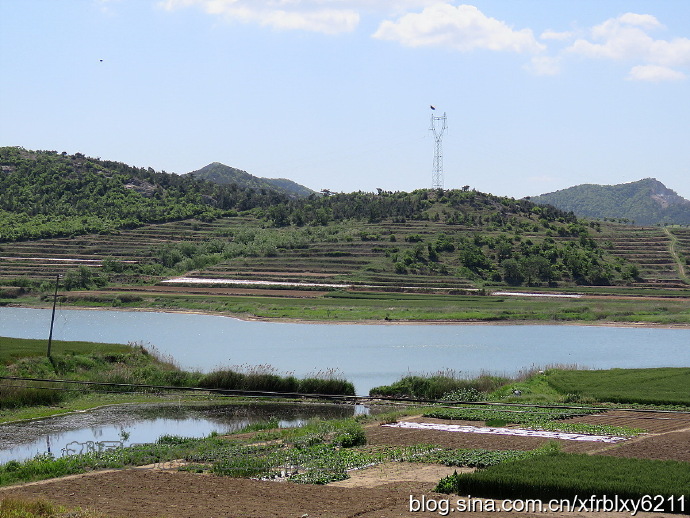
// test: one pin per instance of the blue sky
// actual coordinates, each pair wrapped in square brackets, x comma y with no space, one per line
[540,95]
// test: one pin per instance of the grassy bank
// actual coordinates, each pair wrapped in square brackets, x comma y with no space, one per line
[115,367]
[442,385]
[665,386]
[12,349]
[89,362]
[353,306]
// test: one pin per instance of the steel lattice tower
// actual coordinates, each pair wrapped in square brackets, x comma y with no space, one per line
[438,130]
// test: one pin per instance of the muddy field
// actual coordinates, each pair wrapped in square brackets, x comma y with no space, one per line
[381,491]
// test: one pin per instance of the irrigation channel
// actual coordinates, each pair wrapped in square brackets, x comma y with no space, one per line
[367,355]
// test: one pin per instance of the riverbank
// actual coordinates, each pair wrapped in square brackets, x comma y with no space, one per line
[333,319]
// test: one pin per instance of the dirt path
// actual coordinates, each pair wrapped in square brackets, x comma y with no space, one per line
[674,253]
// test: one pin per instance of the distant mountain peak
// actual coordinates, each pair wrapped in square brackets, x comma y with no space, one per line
[646,202]
[220,173]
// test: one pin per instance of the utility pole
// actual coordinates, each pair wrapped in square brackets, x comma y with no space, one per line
[52,318]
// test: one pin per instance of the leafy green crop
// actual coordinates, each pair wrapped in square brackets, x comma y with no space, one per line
[561,475]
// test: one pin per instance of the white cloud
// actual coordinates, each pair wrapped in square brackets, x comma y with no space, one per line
[555,35]
[306,15]
[654,73]
[463,28]
[626,38]
[646,21]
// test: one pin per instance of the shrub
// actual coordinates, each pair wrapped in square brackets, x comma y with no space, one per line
[263,378]
[15,397]
[442,385]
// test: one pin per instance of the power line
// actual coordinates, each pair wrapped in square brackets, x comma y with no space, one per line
[520,407]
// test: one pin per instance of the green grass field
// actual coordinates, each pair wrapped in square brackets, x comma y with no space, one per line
[12,349]
[562,475]
[666,386]
[670,386]
[345,306]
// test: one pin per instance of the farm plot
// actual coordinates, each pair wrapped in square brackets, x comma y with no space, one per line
[379,435]
[666,446]
[382,492]
[652,422]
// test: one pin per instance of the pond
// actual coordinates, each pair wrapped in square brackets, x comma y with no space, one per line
[367,355]
[124,425]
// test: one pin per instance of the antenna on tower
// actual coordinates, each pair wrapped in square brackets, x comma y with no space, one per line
[437,130]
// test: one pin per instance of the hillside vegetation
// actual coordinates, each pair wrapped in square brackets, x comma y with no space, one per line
[45,194]
[460,237]
[645,202]
[122,230]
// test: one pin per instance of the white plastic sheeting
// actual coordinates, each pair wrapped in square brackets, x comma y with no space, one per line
[520,432]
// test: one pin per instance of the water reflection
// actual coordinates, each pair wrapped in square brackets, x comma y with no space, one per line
[142,423]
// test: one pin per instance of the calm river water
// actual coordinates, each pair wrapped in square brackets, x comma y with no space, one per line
[368,355]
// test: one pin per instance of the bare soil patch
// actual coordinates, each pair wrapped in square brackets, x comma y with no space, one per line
[667,446]
[388,472]
[170,494]
[653,422]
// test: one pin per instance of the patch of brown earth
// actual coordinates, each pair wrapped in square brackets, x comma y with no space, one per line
[388,472]
[653,422]
[667,446]
[170,494]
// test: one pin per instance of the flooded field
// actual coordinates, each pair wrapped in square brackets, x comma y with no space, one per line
[124,425]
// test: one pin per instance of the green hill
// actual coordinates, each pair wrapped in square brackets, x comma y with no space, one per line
[46,193]
[645,202]
[70,212]
[226,175]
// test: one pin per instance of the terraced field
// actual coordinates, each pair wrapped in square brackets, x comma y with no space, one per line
[353,258]
[346,254]
[650,249]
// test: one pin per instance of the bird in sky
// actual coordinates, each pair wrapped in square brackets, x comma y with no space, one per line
[432,106]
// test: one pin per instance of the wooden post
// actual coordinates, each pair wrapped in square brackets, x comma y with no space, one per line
[52,318]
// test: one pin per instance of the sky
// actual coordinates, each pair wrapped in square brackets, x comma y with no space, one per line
[539,95]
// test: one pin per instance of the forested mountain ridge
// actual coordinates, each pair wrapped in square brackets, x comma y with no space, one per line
[224,175]
[46,193]
[645,202]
